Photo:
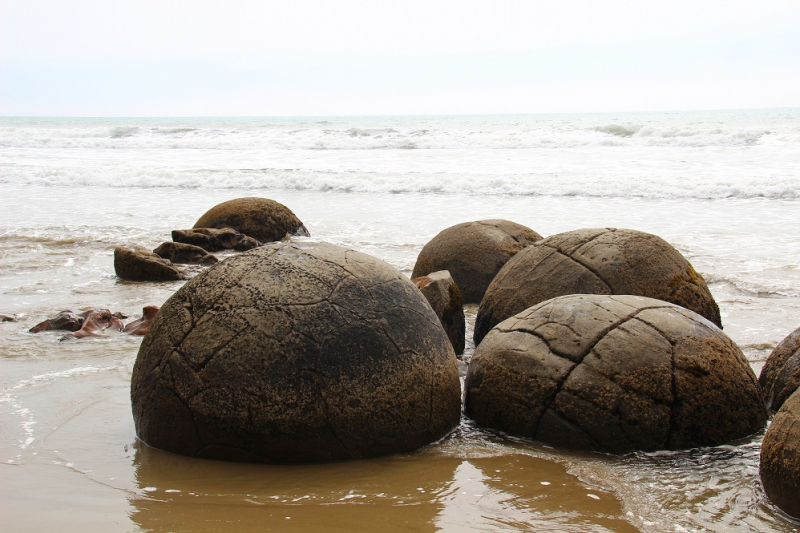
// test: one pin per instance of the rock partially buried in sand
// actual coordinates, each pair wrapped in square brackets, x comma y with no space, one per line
[613,374]
[178,252]
[260,218]
[594,261]
[133,265]
[442,293]
[780,376]
[215,240]
[780,457]
[295,353]
[473,253]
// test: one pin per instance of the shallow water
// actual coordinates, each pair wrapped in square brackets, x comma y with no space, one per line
[69,458]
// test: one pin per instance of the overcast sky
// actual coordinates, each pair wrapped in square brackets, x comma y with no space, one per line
[302,57]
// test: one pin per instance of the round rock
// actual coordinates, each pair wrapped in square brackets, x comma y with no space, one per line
[594,261]
[473,252]
[780,376]
[295,353]
[780,457]
[260,218]
[613,374]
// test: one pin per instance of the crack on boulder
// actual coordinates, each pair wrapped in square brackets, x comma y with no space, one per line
[581,263]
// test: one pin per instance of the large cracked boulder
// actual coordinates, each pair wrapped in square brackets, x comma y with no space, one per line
[780,376]
[613,374]
[295,353]
[594,261]
[780,457]
[473,252]
[443,294]
[138,265]
[263,219]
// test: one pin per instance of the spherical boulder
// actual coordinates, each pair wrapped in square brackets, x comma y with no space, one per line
[594,261]
[613,374]
[780,376]
[295,353]
[260,218]
[473,252]
[780,457]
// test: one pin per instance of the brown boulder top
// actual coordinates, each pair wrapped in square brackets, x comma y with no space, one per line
[780,457]
[138,265]
[261,218]
[473,252]
[613,374]
[780,376]
[594,261]
[295,353]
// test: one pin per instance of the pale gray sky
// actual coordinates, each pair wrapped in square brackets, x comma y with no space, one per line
[302,57]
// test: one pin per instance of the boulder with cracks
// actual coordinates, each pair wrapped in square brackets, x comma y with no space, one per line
[295,353]
[594,261]
[613,374]
[780,376]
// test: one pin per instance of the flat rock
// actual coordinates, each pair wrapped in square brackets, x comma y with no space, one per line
[179,252]
[215,240]
[443,295]
[133,265]
[780,376]
[261,218]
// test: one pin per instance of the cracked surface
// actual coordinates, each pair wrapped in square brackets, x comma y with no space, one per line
[295,353]
[780,376]
[613,374]
[594,261]
[473,252]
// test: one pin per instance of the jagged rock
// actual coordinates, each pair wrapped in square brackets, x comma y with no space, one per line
[443,295]
[473,253]
[65,320]
[780,457]
[142,325]
[780,376]
[260,218]
[594,261]
[179,252]
[613,374]
[295,353]
[95,323]
[134,265]
[8,317]
[215,240]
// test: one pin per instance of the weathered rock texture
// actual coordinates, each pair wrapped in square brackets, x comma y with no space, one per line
[260,218]
[594,261]
[178,252]
[473,252]
[295,353]
[780,457]
[780,376]
[442,293]
[613,374]
[135,265]
[65,320]
[215,240]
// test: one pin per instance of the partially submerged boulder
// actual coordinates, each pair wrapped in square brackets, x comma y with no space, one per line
[179,252]
[613,374]
[295,353]
[215,240]
[780,376]
[594,261]
[141,325]
[443,295]
[65,320]
[473,253]
[260,218]
[134,265]
[780,457]
[95,323]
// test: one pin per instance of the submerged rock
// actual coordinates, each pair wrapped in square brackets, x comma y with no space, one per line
[215,240]
[594,261]
[179,252]
[473,253]
[132,265]
[613,374]
[780,376]
[65,320]
[780,457]
[97,321]
[142,325]
[444,297]
[260,218]
[295,353]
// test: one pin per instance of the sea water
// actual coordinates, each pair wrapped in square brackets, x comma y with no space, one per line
[723,187]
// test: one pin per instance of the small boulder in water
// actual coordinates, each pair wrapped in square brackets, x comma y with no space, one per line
[613,374]
[780,457]
[95,323]
[215,240]
[473,252]
[780,376]
[179,252]
[132,265]
[444,297]
[260,218]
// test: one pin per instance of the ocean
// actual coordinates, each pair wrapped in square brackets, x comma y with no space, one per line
[723,187]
